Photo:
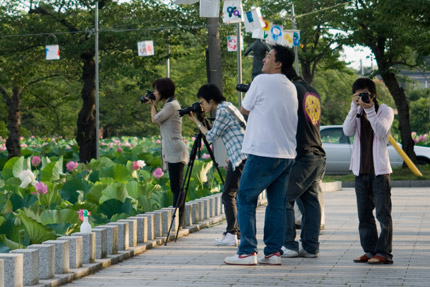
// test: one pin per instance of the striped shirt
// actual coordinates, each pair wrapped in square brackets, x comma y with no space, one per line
[228,128]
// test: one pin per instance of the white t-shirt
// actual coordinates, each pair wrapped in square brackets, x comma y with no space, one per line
[272,122]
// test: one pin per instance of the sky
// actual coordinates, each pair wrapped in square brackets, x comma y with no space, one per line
[354,55]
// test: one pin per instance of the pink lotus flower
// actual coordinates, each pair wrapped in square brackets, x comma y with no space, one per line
[158,172]
[158,141]
[135,165]
[413,134]
[71,166]
[205,156]
[41,188]
[35,161]
[2,147]
[119,149]
[23,145]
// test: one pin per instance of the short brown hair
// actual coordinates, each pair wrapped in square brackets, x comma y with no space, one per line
[165,86]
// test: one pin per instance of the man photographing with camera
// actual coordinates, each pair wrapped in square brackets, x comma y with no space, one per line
[227,126]
[371,124]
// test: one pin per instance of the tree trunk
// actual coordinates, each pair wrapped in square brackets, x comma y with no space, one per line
[86,136]
[13,141]
[403,112]
[214,53]
[307,73]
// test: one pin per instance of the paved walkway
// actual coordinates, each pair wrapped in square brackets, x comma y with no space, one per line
[194,261]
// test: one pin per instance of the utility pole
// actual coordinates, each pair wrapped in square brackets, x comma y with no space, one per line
[239,62]
[296,52]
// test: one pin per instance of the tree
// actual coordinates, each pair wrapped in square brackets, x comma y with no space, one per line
[397,33]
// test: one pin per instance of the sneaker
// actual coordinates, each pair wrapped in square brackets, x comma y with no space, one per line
[242,259]
[304,253]
[228,240]
[272,259]
[288,253]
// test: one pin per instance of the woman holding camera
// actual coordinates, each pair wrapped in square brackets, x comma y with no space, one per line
[173,149]
[229,126]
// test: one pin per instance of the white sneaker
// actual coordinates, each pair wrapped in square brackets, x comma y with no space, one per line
[272,259]
[242,259]
[228,240]
[288,253]
[304,253]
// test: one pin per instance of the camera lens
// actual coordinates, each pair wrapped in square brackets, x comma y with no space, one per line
[149,95]
[365,97]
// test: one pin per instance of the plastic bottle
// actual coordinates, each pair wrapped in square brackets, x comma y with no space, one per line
[85,226]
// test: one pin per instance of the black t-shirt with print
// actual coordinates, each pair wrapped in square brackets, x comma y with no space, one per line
[308,128]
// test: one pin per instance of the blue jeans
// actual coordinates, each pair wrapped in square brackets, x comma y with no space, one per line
[374,192]
[304,185]
[263,173]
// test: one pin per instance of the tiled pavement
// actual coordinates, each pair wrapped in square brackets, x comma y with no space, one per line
[194,261]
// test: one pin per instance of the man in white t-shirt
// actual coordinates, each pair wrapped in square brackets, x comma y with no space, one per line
[270,142]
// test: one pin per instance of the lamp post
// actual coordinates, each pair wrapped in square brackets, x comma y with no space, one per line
[96,24]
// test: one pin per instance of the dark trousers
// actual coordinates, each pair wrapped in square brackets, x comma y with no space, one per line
[176,176]
[229,193]
[304,185]
[374,192]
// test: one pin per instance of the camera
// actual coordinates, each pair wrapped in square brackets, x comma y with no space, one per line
[365,97]
[150,95]
[243,87]
[195,108]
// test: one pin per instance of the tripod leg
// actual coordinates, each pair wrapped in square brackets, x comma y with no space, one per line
[185,184]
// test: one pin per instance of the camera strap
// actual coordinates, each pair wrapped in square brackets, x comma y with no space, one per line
[230,110]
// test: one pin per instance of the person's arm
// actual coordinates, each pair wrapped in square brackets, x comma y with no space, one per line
[349,124]
[153,111]
[164,114]
[244,111]
[381,124]
[200,125]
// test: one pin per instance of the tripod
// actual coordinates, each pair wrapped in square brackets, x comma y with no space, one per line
[196,147]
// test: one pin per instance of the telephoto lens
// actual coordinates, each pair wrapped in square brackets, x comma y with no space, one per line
[365,97]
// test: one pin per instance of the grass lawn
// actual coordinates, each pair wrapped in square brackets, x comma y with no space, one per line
[402,173]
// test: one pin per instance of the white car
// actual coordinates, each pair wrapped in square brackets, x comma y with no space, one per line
[338,148]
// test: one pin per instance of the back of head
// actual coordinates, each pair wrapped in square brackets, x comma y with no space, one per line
[210,92]
[364,83]
[285,56]
[165,86]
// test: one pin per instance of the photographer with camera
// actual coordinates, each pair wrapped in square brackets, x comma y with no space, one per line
[371,124]
[227,126]
[173,149]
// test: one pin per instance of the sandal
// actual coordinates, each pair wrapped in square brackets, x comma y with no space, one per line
[379,260]
[362,259]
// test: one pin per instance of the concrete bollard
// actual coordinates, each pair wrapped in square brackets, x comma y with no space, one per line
[75,250]
[112,238]
[211,201]
[101,242]
[218,203]
[13,269]
[46,260]
[142,228]
[30,265]
[88,246]
[123,235]
[61,255]
[167,220]
[151,223]
[188,220]
[132,231]
[195,211]
[1,273]
[158,224]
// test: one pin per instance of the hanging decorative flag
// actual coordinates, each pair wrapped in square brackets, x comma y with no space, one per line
[52,52]
[275,35]
[253,20]
[178,2]
[145,48]
[209,8]
[232,11]
[232,43]
[288,38]
[262,33]
[296,38]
